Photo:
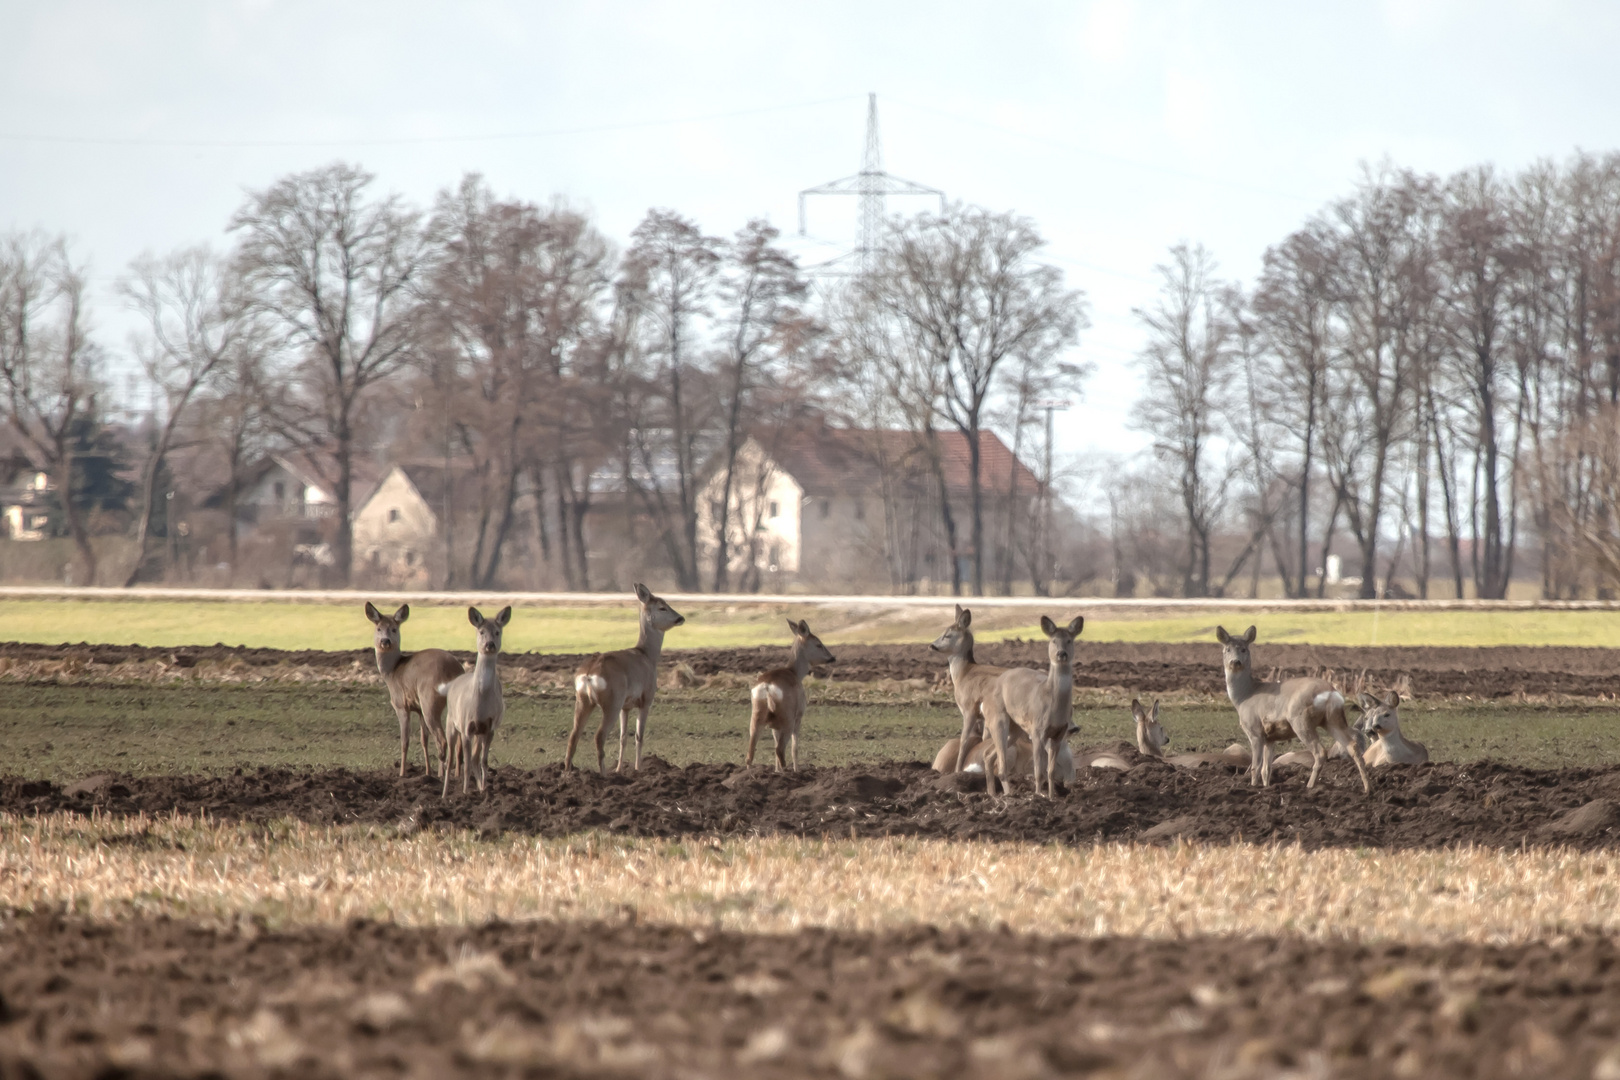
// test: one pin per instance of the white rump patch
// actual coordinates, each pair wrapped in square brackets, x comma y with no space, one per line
[595,683]
[975,767]
[443,688]
[767,691]
[1328,700]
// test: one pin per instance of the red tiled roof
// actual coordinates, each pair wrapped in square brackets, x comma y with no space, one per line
[833,461]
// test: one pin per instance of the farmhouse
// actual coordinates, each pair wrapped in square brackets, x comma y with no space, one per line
[399,532]
[846,507]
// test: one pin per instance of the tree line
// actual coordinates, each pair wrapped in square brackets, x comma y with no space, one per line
[1425,374]
[518,340]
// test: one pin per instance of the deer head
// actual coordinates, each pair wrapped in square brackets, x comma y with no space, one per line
[1379,716]
[1235,650]
[489,630]
[1060,639]
[1151,738]
[656,610]
[958,639]
[387,637]
[814,650]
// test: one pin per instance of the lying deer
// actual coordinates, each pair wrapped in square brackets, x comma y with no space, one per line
[620,681]
[412,680]
[1151,740]
[1383,719]
[972,682]
[982,755]
[778,695]
[1040,702]
[1271,712]
[475,704]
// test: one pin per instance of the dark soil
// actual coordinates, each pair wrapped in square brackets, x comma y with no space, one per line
[1504,671]
[1424,806]
[160,998]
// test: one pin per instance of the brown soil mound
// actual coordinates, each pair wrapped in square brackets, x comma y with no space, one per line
[1411,806]
[1141,668]
[159,998]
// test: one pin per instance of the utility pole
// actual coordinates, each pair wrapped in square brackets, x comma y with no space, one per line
[1046,548]
[871,186]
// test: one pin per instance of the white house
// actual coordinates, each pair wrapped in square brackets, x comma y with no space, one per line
[399,528]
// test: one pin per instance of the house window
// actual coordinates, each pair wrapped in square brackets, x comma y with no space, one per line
[775,509]
[393,514]
[410,558]
[281,491]
[826,509]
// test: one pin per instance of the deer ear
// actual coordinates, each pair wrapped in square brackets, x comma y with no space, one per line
[793,627]
[403,613]
[372,613]
[964,617]
[1393,699]
[1048,627]
[1368,702]
[1155,712]
[1077,625]
[1222,636]
[1249,635]
[505,616]
[475,617]
[643,593]
[804,627]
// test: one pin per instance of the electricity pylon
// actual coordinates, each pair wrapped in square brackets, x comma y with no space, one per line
[873,186]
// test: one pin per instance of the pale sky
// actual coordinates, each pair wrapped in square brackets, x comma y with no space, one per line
[1119,127]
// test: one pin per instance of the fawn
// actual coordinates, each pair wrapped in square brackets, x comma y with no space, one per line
[1271,712]
[778,695]
[623,680]
[413,680]
[1040,702]
[475,703]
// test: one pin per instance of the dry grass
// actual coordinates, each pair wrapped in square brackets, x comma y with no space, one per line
[294,873]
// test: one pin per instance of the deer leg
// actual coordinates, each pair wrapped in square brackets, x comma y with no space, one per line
[404,715]
[1318,755]
[641,731]
[754,721]
[1051,768]
[624,728]
[777,748]
[582,709]
[969,722]
[449,763]
[793,743]
[1345,738]
[998,733]
[427,757]
[1267,754]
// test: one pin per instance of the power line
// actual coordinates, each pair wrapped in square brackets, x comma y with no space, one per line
[1165,170]
[632,125]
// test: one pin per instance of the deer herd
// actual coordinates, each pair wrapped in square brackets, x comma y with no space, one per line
[1014,720]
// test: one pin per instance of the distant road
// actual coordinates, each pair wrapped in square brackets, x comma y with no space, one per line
[1098,604]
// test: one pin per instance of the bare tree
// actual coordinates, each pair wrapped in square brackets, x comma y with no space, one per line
[197,318]
[335,275]
[968,289]
[47,362]
[762,326]
[1188,366]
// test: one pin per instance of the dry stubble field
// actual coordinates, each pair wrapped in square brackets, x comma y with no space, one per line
[188,895]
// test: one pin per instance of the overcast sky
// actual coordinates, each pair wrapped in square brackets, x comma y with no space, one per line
[1119,127]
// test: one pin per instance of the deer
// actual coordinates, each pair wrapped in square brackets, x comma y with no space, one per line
[412,680]
[972,682]
[1272,712]
[1040,702]
[475,704]
[1151,740]
[623,680]
[778,695]
[1383,719]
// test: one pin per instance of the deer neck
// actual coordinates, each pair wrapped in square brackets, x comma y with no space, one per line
[801,660]
[650,643]
[388,661]
[1147,748]
[962,658]
[1060,685]
[1240,685]
[484,672]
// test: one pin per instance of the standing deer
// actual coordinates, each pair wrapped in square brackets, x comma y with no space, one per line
[475,703]
[413,680]
[623,680]
[972,682]
[1040,702]
[1270,712]
[1383,720]
[778,695]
